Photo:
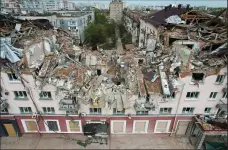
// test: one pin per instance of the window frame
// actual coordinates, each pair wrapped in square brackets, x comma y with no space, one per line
[146,126]
[12,75]
[48,112]
[211,96]
[17,95]
[98,113]
[188,112]
[115,112]
[142,113]
[206,110]
[45,97]
[124,126]
[167,127]
[225,95]
[167,110]
[23,108]
[68,126]
[191,95]
[25,126]
[47,128]
[222,77]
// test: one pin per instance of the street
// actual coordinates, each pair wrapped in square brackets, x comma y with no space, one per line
[117,142]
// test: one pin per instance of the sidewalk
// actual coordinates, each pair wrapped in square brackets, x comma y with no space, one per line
[117,142]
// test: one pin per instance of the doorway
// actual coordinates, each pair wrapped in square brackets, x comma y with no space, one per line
[10,129]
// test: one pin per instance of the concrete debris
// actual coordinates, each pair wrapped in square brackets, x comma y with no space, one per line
[8,51]
[129,78]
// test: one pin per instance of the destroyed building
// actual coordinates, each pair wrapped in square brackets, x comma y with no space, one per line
[73,21]
[155,89]
[132,24]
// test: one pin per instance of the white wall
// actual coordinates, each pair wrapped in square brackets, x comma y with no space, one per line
[203,101]
[149,28]
[18,86]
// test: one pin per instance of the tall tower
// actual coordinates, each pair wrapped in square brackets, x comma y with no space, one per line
[116,10]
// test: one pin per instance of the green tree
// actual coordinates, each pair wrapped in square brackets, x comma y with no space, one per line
[95,34]
[101,31]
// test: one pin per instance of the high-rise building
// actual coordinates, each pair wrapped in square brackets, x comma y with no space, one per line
[116,10]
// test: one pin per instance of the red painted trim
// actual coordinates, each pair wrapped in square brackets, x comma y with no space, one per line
[129,122]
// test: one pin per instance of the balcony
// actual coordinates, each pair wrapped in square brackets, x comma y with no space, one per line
[69,105]
[3,104]
[144,106]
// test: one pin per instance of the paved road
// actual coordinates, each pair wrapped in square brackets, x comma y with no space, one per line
[117,142]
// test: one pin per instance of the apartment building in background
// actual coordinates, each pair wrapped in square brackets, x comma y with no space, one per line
[170,86]
[72,21]
[116,10]
[50,5]
[75,22]
[39,6]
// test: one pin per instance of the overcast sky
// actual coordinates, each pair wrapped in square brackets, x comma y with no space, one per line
[209,3]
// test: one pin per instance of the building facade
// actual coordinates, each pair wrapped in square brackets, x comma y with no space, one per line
[73,21]
[169,112]
[40,6]
[116,10]
[54,86]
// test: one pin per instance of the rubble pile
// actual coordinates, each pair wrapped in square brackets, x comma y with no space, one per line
[137,78]
[212,124]
[47,53]
[193,43]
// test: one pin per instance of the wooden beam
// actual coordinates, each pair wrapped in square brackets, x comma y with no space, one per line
[216,16]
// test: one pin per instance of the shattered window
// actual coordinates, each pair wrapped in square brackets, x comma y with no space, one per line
[207,110]
[20,94]
[25,109]
[188,110]
[116,112]
[165,110]
[48,110]
[220,78]
[198,76]
[171,96]
[192,95]
[4,110]
[213,95]
[12,77]
[45,95]
[95,110]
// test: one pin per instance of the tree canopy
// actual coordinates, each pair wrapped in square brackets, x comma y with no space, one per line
[101,31]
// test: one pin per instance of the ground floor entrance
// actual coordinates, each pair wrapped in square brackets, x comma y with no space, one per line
[9,128]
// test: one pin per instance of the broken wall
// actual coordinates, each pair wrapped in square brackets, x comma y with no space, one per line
[145,29]
[203,99]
